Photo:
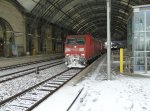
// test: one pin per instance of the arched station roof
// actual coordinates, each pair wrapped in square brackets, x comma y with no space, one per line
[84,16]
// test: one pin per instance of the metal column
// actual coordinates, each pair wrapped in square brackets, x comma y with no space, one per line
[108,40]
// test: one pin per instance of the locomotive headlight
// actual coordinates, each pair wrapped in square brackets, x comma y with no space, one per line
[81,49]
[67,49]
[82,54]
[67,54]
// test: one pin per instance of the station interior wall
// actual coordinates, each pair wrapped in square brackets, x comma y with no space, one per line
[30,35]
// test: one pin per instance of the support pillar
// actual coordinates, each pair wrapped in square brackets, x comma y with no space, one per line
[108,40]
[35,42]
[49,40]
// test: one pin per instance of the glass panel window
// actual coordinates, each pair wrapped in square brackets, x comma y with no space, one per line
[148,54]
[139,41]
[148,61]
[80,41]
[148,21]
[139,54]
[72,41]
[147,41]
[139,22]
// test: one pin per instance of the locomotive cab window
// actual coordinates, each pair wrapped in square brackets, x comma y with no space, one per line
[80,41]
[73,41]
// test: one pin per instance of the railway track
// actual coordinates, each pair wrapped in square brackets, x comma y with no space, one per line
[17,74]
[25,64]
[33,96]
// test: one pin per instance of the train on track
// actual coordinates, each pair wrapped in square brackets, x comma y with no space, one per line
[81,49]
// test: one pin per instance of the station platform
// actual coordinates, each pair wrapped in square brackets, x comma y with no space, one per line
[97,91]
[25,59]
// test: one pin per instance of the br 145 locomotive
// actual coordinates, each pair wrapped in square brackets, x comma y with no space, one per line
[80,49]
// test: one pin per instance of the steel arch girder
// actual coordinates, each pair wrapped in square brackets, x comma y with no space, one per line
[122,22]
[89,29]
[78,7]
[119,23]
[87,13]
[94,18]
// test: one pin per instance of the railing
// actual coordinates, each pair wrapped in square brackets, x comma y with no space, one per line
[133,64]
[138,64]
[116,55]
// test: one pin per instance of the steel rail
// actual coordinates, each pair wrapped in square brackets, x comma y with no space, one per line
[52,81]
[27,73]
[25,64]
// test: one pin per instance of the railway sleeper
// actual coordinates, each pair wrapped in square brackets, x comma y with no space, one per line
[19,106]
[28,99]
[56,82]
[60,80]
[14,108]
[53,85]
[39,95]
[21,102]
[50,86]
[67,76]
[48,90]
[65,79]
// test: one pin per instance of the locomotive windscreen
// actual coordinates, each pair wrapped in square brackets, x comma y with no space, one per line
[75,40]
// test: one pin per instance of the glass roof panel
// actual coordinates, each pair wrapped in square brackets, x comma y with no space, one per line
[28,4]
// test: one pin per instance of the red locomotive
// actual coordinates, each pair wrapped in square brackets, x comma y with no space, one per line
[80,49]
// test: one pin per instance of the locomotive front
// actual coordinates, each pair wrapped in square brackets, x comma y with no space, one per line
[75,51]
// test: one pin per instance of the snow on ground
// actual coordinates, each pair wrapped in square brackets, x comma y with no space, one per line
[12,87]
[122,93]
